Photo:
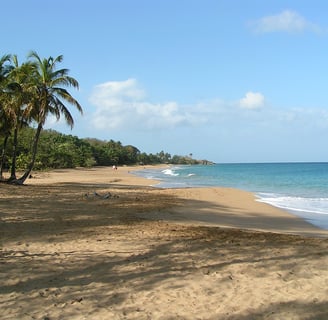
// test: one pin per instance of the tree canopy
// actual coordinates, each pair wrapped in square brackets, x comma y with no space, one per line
[57,150]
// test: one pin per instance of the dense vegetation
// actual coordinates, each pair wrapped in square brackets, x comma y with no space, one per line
[57,150]
[29,93]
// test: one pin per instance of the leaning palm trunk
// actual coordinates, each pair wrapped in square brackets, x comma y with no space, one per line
[30,166]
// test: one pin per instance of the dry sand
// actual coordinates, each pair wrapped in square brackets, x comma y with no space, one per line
[132,251]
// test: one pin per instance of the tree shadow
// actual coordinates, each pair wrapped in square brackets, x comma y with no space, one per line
[40,212]
[108,278]
[97,271]
[282,310]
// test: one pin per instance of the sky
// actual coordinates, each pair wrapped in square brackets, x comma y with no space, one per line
[223,80]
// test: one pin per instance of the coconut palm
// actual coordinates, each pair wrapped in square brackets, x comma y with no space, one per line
[49,98]
[5,67]
[5,121]
[6,126]
[18,96]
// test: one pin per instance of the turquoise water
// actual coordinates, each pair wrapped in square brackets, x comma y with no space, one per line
[300,188]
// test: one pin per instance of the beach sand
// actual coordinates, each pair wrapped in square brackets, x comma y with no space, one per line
[103,244]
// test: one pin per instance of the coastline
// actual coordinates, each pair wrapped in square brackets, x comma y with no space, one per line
[206,206]
[233,208]
[298,188]
[101,243]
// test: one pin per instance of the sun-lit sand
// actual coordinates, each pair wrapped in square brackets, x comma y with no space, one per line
[103,244]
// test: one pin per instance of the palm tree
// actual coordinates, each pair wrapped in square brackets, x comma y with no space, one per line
[6,126]
[4,67]
[5,121]
[18,95]
[49,96]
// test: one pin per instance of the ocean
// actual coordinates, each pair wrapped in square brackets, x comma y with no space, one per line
[300,188]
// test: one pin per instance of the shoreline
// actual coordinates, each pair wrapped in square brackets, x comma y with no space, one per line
[206,206]
[103,244]
[314,219]
[301,201]
[277,219]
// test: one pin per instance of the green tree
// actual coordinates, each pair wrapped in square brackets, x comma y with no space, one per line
[49,97]
[129,154]
[18,97]
[5,121]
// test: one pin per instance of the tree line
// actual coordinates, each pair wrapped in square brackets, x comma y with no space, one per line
[57,150]
[32,91]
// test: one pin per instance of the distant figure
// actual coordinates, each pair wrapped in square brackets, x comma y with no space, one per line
[114,167]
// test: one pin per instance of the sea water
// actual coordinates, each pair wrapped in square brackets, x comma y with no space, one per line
[300,188]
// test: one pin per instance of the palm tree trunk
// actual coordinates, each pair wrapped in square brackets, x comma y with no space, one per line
[29,169]
[3,153]
[14,156]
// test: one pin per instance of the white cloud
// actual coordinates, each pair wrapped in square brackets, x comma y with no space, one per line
[252,100]
[286,21]
[122,104]
[116,91]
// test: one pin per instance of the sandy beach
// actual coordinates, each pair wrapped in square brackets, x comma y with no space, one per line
[103,244]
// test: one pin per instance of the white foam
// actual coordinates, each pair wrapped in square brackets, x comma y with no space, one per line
[170,172]
[301,204]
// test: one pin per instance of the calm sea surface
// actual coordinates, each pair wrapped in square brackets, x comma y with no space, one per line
[300,188]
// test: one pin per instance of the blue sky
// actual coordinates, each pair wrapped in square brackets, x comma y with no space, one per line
[225,80]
